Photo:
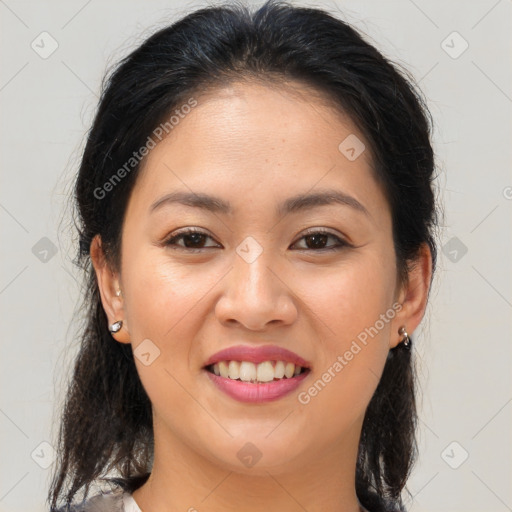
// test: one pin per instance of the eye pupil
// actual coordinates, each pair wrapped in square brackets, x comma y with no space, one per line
[196,239]
[317,240]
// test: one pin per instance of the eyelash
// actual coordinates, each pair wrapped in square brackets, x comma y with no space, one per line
[170,242]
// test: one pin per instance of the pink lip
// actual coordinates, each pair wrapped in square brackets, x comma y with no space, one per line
[257,392]
[257,355]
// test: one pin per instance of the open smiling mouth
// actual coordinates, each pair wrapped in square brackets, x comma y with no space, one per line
[256,373]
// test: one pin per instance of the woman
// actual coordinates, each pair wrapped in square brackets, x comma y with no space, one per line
[256,218]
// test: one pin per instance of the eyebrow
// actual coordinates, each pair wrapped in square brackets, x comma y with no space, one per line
[294,204]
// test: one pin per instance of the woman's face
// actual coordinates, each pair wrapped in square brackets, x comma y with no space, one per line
[259,276]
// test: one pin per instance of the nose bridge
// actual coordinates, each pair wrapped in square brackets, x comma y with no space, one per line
[255,296]
[252,275]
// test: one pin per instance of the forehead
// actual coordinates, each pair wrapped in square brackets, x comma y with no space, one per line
[258,141]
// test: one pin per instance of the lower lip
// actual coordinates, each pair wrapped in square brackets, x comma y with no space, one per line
[257,392]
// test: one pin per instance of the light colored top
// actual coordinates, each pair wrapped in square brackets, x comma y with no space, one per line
[115,501]
[107,501]
[129,503]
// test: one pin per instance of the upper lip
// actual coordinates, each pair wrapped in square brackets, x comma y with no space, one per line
[257,355]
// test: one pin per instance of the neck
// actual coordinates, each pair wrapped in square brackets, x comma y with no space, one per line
[183,479]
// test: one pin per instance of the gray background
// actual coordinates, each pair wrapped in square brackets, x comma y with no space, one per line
[464,343]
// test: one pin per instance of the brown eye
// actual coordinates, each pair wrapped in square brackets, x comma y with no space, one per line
[192,239]
[317,241]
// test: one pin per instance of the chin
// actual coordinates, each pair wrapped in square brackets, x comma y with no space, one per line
[256,458]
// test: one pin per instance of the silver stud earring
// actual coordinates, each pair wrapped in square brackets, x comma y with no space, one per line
[118,293]
[116,326]
[406,341]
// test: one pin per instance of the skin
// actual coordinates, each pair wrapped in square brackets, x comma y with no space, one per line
[255,146]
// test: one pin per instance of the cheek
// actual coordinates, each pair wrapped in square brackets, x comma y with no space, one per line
[164,312]
[349,297]
[164,293]
[168,306]
[351,309]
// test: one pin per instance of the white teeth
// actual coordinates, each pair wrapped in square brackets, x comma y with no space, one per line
[265,372]
[289,369]
[246,371]
[223,368]
[279,370]
[233,369]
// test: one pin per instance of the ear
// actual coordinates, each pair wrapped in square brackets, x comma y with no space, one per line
[413,296]
[108,284]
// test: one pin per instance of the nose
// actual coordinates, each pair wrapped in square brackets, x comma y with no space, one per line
[256,295]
